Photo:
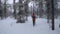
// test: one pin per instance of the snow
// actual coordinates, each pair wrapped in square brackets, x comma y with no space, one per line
[9,26]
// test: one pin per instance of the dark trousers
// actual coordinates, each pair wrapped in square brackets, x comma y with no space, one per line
[59,25]
[33,22]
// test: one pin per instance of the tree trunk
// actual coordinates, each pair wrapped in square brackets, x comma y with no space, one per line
[14,9]
[5,8]
[52,3]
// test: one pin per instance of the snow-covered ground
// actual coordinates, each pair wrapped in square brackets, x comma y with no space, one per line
[9,26]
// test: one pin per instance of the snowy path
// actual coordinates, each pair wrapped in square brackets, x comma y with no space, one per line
[9,26]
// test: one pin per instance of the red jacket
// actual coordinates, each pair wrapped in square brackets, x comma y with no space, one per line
[33,16]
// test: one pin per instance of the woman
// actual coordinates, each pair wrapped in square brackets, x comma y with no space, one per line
[33,18]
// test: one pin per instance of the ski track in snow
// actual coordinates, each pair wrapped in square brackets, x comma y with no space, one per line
[9,26]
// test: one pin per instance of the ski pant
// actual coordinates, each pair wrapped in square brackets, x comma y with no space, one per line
[33,22]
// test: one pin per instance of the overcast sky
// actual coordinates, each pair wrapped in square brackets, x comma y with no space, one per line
[11,1]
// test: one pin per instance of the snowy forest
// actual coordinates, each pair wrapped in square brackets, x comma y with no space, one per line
[29,16]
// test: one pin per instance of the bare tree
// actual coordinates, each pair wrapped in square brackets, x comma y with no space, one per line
[26,8]
[20,6]
[5,8]
[40,9]
[0,9]
[50,11]
[48,5]
[52,3]
[14,9]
